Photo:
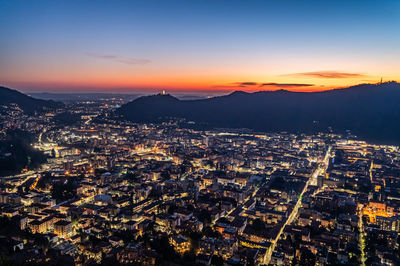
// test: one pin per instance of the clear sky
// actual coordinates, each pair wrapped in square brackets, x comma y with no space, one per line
[129,46]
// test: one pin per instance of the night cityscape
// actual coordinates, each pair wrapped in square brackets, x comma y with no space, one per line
[130,133]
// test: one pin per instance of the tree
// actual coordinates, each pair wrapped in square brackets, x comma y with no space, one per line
[217,260]
[209,232]
[132,176]
[204,216]
[165,175]
[307,257]
[62,192]
[172,208]
[258,225]
[162,246]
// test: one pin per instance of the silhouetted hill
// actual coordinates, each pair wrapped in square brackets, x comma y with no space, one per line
[25,102]
[371,111]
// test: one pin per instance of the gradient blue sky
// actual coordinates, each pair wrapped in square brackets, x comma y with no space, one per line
[128,46]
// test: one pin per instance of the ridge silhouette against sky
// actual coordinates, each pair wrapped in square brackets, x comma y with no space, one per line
[146,46]
[25,102]
[371,111]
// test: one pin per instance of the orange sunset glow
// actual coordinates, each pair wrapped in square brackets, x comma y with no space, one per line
[115,51]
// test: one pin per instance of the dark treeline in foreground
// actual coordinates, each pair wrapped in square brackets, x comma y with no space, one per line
[16,153]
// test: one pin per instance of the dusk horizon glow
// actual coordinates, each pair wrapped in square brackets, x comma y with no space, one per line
[197,47]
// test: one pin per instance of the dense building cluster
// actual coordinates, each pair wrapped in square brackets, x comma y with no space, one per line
[113,192]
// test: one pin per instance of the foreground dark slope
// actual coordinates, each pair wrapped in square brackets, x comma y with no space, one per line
[369,111]
[26,103]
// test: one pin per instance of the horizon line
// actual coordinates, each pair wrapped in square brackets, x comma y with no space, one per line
[177,91]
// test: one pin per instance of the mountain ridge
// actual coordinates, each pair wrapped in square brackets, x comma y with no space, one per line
[371,111]
[25,102]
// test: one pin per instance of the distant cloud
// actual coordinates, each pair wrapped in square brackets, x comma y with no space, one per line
[272,84]
[115,58]
[329,74]
[286,85]
[104,56]
[244,84]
